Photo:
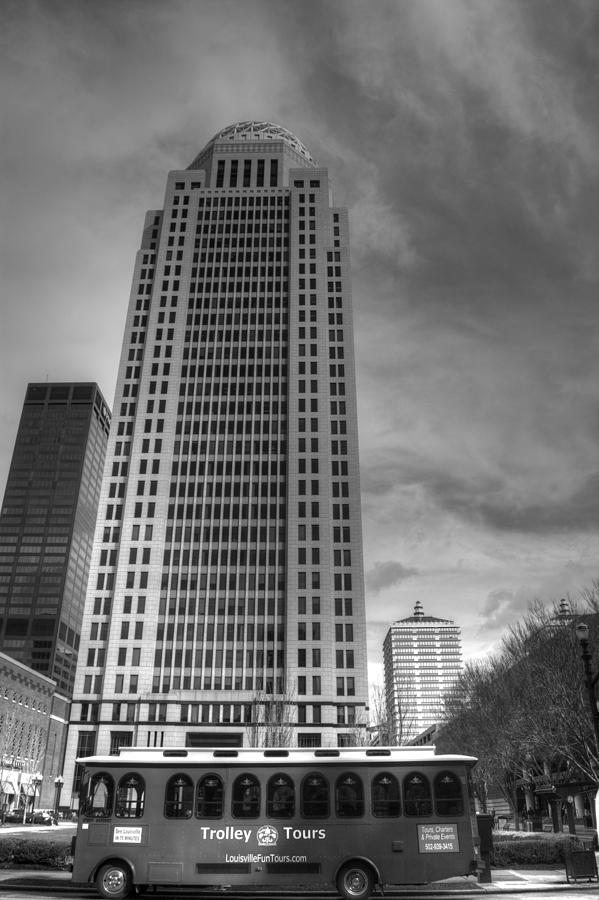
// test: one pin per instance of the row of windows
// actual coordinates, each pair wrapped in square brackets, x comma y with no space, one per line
[22,700]
[237,242]
[236,215]
[231,408]
[344,686]
[99,631]
[250,200]
[226,424]
[219,712]
[239,467]
[246,256]
[230,285]
[206,632]
[246,180]
[314,798]
[215,682]
[236,336]
[224,448]
[247,607]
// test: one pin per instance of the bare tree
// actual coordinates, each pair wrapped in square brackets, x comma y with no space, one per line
[590,597]
[400,715]
[8,721]
[7,739]
[380,723]
[355,732]
[22,746]
[479,702]
[273,719]
[524,710]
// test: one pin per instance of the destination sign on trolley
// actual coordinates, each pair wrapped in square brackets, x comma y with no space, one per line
[123,834]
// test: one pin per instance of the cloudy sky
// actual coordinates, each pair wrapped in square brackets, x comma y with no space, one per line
[463,135]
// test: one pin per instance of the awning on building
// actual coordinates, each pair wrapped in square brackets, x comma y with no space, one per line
[8,788]
[28,790]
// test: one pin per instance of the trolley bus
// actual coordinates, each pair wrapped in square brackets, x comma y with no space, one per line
[353,818]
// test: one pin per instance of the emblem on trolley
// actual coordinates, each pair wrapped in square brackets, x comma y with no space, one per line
[267,836]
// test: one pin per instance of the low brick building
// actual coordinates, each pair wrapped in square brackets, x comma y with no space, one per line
[33,721]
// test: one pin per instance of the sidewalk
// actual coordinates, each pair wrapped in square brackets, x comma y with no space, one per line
[15,828]
[533,880]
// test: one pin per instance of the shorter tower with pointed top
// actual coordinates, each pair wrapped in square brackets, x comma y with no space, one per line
[422,659]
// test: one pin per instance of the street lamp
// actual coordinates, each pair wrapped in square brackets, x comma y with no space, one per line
[590,680]
[58,783]
[37,780]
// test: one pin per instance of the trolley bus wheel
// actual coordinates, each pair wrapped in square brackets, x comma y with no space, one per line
[355,881]
[114,881]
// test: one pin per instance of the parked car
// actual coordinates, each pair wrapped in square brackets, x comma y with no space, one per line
[14,815]
[41,817]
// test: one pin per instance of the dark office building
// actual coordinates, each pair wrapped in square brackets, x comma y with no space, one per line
[47,526]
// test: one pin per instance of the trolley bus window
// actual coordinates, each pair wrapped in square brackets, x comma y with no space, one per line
[448,795]
[417,795]
[246,797]
[99,796]
[280,797]
[315,796]
[209,797]
[130,796]
[349,796]
[178,797]
[385,795]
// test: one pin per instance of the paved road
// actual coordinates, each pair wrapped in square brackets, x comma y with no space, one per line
[507,883]
[22,892]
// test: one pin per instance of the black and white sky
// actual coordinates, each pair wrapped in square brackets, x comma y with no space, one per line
[463,135]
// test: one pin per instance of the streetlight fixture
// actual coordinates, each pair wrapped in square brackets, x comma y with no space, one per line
[58,783]
[37,780]
[590,680]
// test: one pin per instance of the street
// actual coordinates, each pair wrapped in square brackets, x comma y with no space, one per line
[509,884]
[23,891]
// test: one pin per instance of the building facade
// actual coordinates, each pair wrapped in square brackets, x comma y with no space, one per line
[33,729]
[226,587]
[422,658]
[47,526]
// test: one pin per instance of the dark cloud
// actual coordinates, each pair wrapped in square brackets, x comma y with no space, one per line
[462,136]
[500,609]
[578,512]
[492,502]
[386,574]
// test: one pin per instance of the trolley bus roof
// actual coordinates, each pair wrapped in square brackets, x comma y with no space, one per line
[252,756]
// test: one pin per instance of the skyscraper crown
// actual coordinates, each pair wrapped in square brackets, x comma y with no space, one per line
[261,131]
[256,133]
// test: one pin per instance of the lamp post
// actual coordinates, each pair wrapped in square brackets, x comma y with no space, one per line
[590,680]
[37,780]
[58,783]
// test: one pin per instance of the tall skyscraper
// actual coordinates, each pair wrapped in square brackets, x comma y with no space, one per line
[227,574]
[422,658]
[47,526]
